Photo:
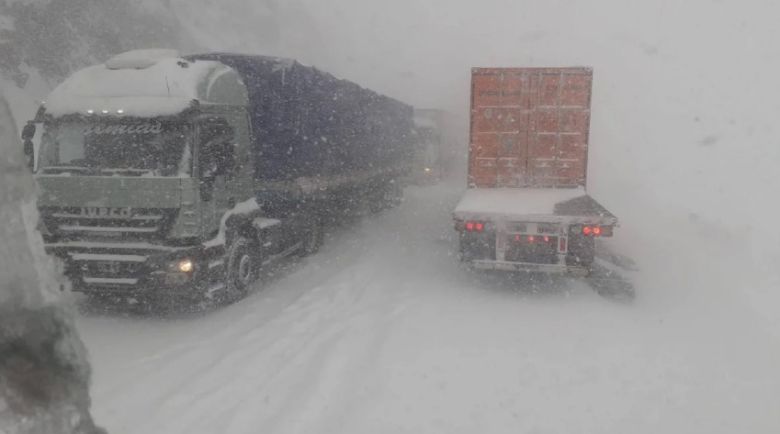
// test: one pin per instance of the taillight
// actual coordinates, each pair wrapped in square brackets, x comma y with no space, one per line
[587,230]
[597,231]
[474,226]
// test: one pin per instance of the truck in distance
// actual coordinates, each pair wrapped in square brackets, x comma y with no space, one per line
[165,177]
[429,125]
[526,207]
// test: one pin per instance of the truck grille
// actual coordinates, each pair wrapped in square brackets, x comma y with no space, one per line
[96,265]
[101,223]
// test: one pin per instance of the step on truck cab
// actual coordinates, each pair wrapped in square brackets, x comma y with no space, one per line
[526,207]
[162,176]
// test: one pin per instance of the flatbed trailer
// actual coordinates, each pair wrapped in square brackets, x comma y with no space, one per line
[545,230]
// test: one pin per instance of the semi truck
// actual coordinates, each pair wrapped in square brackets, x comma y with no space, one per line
[169,177]
[427,162]
[526,207]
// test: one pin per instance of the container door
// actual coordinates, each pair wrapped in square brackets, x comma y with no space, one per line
[529,127]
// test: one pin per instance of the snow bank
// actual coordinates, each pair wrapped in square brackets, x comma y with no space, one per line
[44,374]
[27,261]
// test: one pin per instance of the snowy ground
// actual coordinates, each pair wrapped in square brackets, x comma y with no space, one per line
[382,332]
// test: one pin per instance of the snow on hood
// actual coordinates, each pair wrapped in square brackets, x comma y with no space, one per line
[143,83]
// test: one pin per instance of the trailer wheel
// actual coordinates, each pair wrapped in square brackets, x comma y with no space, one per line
[241,268]
[313,238]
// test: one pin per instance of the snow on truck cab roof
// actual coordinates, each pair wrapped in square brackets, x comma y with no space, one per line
[146,83]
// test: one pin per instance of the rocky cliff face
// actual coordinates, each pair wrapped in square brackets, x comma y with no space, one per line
[43,41]
[44,373]
[57,36]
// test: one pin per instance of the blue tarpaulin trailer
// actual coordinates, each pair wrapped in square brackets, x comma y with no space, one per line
[308,123]
[187,175]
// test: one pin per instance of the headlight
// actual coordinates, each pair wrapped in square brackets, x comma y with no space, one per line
[184,266]
[427,169]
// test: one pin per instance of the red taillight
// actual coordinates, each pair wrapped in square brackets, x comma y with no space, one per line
[587,230]
[597,231]
[472,226]
[531,239]
[546,239]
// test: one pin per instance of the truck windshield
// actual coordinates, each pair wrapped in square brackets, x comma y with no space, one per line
[142,148]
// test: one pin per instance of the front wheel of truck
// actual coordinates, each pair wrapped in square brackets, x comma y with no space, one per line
[241,268]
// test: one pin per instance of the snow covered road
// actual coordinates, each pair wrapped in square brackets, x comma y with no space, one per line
[382,332]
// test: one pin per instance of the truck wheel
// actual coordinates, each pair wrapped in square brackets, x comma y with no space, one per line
[241,268]
[313,239]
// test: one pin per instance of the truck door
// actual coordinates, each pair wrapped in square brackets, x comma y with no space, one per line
[216,166]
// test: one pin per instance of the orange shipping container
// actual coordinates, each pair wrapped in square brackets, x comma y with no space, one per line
[529,127]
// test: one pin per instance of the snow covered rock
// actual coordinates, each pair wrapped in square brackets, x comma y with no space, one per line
[44,374]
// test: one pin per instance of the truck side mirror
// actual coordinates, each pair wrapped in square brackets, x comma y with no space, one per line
[28,132]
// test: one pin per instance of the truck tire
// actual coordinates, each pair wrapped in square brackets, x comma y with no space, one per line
[313,238]
[241,268]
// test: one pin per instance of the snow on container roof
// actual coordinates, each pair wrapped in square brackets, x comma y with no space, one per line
[146,83]
[513,202]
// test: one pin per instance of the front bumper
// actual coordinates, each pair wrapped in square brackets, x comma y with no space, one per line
[574,270]
[133,269]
